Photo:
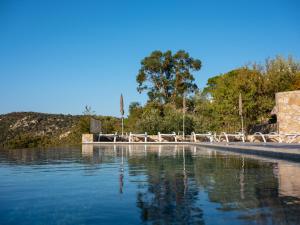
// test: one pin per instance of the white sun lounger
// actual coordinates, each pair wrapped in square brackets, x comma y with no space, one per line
[131,136]
[115,135]
[266,137]
[160,136]
[209,136]
[237,135]
[290,138]
[280,138]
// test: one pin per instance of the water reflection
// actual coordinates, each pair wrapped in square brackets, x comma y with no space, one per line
[259,191]
[288,178]
[170,184]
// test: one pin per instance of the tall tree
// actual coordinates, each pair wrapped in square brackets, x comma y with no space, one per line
[224,91]
[281,74]
[166,76]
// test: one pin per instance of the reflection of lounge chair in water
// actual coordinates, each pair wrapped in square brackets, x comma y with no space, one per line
[275,137]
[231,137]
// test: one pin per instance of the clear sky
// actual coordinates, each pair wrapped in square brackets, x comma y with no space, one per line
[58,56]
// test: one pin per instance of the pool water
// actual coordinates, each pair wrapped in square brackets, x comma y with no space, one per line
[145,184]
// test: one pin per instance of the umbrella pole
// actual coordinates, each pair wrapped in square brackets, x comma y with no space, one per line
[242,121]
[183,117]
[122,125]
[241,111]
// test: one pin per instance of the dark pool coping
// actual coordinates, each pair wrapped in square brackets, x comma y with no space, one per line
[270,150]
[277,151]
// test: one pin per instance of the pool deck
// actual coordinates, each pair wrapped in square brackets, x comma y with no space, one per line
[273,150]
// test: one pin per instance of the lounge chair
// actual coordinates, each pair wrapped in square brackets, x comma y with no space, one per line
[291,138]
[108,136]
[228,137]
[160,136]
[270,136]
[208,136]
[132,136]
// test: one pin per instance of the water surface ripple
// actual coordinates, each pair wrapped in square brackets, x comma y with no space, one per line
[145,184]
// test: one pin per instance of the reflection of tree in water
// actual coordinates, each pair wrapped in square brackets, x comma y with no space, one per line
[121,172]
[39,156]
[171,195]
[57,156]
[248,186]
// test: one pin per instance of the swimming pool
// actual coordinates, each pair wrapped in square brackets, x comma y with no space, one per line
[145,184]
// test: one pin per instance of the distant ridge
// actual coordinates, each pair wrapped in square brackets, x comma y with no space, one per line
[32,129]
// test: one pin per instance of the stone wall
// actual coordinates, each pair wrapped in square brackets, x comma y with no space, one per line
[288,112]
[86,138]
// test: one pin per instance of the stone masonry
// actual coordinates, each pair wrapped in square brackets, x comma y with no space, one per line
[288,112]
[86,138]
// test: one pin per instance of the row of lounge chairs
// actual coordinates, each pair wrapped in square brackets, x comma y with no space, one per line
[205,137]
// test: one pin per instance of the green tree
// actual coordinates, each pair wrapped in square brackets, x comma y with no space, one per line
[204,115]
[258,85]
[135,115]
[166,76]
[151,118]
[224,92]
[281,75]
[84,122]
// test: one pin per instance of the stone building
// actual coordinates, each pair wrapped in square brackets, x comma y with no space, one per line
[288,112]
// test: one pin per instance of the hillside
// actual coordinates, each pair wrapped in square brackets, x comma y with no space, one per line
[30,129]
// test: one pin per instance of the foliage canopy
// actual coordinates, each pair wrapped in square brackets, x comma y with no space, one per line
[166,76]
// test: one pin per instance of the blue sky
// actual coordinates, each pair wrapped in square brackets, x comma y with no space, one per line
[58,56]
